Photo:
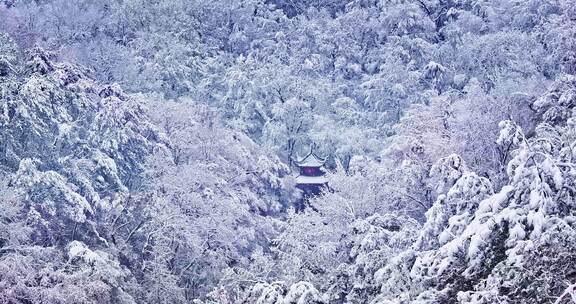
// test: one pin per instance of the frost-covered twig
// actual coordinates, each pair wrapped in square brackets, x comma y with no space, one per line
[568,291]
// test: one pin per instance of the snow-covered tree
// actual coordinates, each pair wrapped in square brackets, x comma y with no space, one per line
[482,250]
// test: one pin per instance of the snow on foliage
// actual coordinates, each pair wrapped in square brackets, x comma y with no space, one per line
[467,260]
[146,151]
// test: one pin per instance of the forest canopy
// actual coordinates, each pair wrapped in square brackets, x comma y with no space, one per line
[149,151]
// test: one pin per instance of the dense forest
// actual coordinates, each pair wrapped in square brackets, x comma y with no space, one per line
[148,147]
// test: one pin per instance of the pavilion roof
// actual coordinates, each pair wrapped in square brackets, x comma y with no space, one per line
[311,180]
[310,160]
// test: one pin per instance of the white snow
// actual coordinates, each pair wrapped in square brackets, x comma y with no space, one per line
[311,180]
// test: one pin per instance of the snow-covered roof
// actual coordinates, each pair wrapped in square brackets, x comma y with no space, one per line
[311,180]
[310,160]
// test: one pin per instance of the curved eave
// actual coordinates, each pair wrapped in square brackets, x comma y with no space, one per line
[311,180]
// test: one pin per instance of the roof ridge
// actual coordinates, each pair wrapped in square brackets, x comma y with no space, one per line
[317,161]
